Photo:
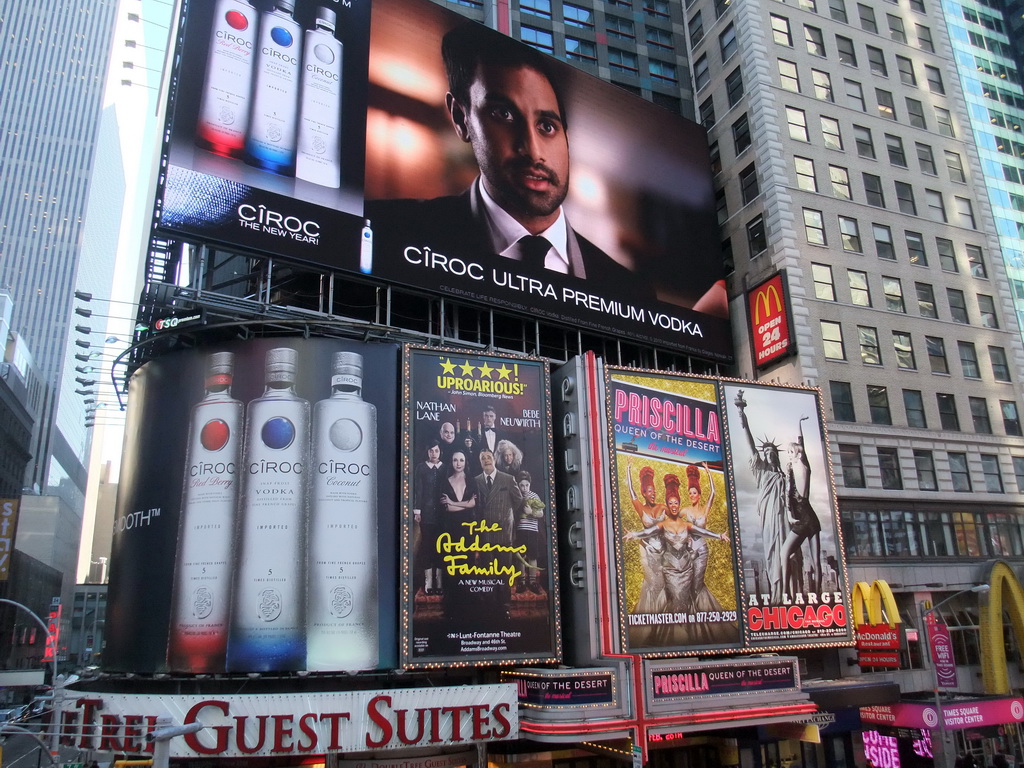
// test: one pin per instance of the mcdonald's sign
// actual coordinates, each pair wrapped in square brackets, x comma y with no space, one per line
[877,618]
[768,312]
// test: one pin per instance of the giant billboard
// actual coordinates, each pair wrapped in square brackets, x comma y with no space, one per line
[794,577]
[679,555]
[363,142]
[255,528]
[478,532]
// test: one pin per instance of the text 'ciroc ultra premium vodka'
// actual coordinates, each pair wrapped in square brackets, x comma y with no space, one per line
[202,583]
[342,632]
[319,150]
[224,110]
[275,95]
[267,623]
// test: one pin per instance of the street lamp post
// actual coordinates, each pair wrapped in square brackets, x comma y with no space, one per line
[54,725]
[942,755]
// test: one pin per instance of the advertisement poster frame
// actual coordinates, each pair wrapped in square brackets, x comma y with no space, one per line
[486,590]
[789,423]
[161,477]
[673,601]
[641,183]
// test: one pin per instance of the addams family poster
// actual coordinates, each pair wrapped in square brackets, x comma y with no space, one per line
[478,524]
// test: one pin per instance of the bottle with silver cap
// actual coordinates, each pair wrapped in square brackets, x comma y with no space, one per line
[267,621]
[202,577]
[342,631]
[319,143]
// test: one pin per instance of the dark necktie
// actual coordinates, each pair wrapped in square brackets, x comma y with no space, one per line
[490,484]
[534,249]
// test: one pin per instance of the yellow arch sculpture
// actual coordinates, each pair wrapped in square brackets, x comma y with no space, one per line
[872,598]
[1006,593]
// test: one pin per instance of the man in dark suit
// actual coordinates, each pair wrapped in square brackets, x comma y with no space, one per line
[502,101]
[499,504]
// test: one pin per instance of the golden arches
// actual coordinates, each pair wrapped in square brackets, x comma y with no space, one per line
[1006,589]
[873,598]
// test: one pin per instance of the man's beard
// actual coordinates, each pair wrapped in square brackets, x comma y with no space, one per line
[516,199]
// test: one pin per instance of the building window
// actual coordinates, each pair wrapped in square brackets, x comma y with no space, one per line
[870,351]
[936,207]
[805,178]
[660,37]
[913,404]
[847,54]
[945,122]
[961,475]
[883,242]
[720,7]
[1018,471]
[575,16]
[716,158]
[873,190]
[667,72]
[824,287]
[976,261]
[727,43]
[623,28]
[876,61]
[934,77]
[990,470]
[867,18]
[906,69]
[815,41]
[893,290]
[955,165]
[878,402]
[853,467]
[748,183]
[894,146]
[987,311]
[865,145]
[832,340]
[979,415]
[658,8]
[886,106]
[969,360]
[707,111]
[924,465]
[842,401]
[926,300]
[741,135]
[580,50]
[936,354]
[854,95]
[860,294]
[540,8]
[780,31]
[925,159]
[733,83]
[623,61]
[947,411]
[957,306]
[1011,419]
[904,348]
[889,467]
[830,133]
[840,179]
[1000,368]
[721,207]
[924,38]
[757,241]
[917,5]
[905,198]
[789,78]
[822,85]
[915,113]
[537,38]
[915,249]
[814,227]
[947,255]
[837,10]
[849,231]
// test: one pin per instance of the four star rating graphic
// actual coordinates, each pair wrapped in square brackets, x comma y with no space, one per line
[486,371]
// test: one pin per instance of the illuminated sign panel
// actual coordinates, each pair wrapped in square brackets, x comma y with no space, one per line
[768,312]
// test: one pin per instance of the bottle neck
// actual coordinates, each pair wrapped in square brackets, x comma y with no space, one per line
[219,384]
[279,389]
[346,392]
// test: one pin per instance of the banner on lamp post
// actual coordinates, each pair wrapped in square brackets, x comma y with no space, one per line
[942,652]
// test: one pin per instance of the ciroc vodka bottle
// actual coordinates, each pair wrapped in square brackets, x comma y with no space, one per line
[342,624]
[224,108]
[275,97]
[319,145]
[267,621]
[202,579]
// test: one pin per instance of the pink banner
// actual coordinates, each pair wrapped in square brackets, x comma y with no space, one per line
[942,652]
[958,715]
